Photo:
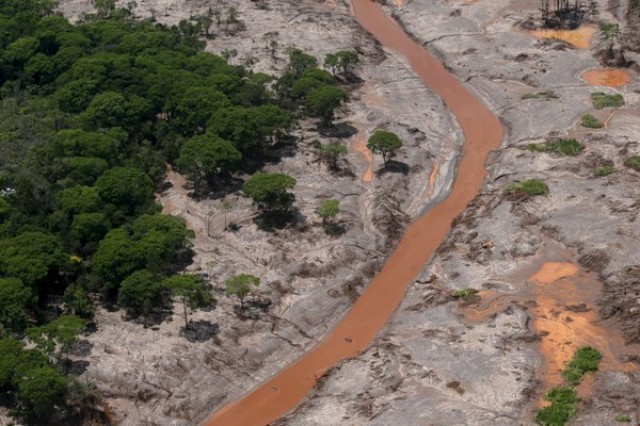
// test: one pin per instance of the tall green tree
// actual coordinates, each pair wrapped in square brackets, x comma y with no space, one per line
[15,300]
[205,157]
[323,101]
[128,188]
[241,286]
[141,293]
[193,292]
[385,143]
[269,191]
[57,336]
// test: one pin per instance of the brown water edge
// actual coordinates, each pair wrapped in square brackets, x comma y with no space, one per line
[579,38]
[381,297]
[358,144]
[611,77]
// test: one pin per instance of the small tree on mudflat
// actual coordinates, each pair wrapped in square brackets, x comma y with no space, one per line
[241,286]
[610,34]
[328,209]
[269,191]
[193,292]
[385,143]
[330,153]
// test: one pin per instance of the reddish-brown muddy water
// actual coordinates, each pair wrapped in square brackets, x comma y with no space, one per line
[356,331]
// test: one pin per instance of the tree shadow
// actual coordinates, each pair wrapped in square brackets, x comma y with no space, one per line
[200,331]
[253,308]
[342,130]
[334,229]
[221,188]
[75,368]
[81,347]
[393,166]
[275,220]
[287,146]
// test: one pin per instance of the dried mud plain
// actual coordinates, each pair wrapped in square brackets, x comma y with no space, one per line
[553,273]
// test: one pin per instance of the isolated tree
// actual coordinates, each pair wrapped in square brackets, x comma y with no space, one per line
[330,153]
[226,207]
[610,33]
[273,49]
[328,209]
[385,143]
[15,299]
[105,8]
[140,293]
[58,335]
[269,191]
[240,286]
[193,292]
[323,101]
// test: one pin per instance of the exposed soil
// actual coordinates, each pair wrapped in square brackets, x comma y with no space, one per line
[579,38]
[606,77]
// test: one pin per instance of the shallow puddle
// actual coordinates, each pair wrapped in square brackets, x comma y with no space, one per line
[611,77]
[579,38]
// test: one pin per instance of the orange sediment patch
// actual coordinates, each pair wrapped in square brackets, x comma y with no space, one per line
[359,145]
[558,287]
[580,38]
[611,77]
[432,179]
[399,3]
[355,332]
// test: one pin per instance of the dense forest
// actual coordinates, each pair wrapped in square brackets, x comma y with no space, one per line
[91,116]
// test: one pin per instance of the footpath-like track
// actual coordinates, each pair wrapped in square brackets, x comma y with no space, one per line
[356,331]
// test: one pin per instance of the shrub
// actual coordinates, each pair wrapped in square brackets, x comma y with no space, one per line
[564,403]
[623,418]
[585,360]
[464,293]
[565,147]
[602,100]
[603,171]
[548,94]
[530,187]
[633,163]
[590,121]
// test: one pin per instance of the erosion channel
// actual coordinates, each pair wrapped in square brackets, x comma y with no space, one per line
[355,332]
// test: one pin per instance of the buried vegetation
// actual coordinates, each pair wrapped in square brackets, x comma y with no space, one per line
[564,399]
[601,100]
[590,122]
[527,188]
[564,147]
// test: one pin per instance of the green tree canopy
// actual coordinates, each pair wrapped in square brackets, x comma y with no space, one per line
[269,191]
[140,293]
[59,334]
[385,143]
[241,285]
[193,292]
[128,188]
[323,101]
[328,209]
[40,391]
[205,157]
[15,299]
[31,256]
[331,153]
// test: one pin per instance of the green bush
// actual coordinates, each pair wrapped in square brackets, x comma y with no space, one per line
[564,405]
[531,187]
[565,147]
[590,121]
[602,100]
[623,418]
[585,360]
[604,171]
[633,162]
[464,293]
[548,94]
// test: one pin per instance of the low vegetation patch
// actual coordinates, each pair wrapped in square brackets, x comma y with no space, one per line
[564,405]
[565,147]
[601,100]
[623,418]
[547,94]
[585,360]
[604,171]
[633,163]
[590,121]
[528,187]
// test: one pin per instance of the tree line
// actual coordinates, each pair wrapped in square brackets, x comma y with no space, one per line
[91,115]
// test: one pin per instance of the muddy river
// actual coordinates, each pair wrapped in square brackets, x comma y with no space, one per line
[381,297]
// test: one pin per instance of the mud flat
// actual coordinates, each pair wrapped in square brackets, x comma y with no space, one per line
[309,279]
[381,296]
[447,360]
